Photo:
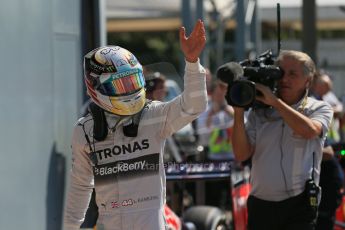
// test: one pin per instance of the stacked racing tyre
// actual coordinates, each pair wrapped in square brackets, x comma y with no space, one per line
[206,218]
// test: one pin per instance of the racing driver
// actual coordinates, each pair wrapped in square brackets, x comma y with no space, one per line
[117,148]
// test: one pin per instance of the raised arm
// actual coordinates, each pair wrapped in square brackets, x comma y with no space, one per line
[187,107]
[299,123]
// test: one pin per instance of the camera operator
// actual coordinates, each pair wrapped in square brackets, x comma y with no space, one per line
[284,142]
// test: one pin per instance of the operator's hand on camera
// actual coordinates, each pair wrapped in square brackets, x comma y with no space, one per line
[193,45]
[267,96]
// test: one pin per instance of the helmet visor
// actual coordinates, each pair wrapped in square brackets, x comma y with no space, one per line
[120,84]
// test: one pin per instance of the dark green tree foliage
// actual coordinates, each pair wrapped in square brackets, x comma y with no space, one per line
[150,47]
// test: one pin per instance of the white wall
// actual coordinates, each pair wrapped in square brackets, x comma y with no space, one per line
[40,62]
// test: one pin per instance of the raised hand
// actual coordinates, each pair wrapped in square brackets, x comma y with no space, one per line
[193,45]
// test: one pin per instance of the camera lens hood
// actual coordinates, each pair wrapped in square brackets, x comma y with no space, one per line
[241,93]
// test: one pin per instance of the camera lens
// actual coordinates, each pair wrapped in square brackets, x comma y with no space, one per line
[242,93]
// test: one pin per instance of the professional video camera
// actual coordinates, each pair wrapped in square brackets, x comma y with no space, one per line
[242,77]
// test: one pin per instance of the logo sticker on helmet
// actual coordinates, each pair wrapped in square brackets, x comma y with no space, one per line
[105,51]
[132,60]
[120,62]
[111,69]
[124,74]
[95,66]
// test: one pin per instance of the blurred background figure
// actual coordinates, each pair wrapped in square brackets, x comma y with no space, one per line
[331,176]
[342,120]
[214,126]
[332,184]
[214,129]
[322,90]
[155,86]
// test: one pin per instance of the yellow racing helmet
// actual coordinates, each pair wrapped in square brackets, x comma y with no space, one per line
[114,80]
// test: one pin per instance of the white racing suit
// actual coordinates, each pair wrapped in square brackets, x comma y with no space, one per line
[129,176]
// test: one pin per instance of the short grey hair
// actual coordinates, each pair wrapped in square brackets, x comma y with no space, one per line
[309,68]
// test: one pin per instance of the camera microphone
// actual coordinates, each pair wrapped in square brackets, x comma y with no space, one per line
[241,92]
[229,72]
